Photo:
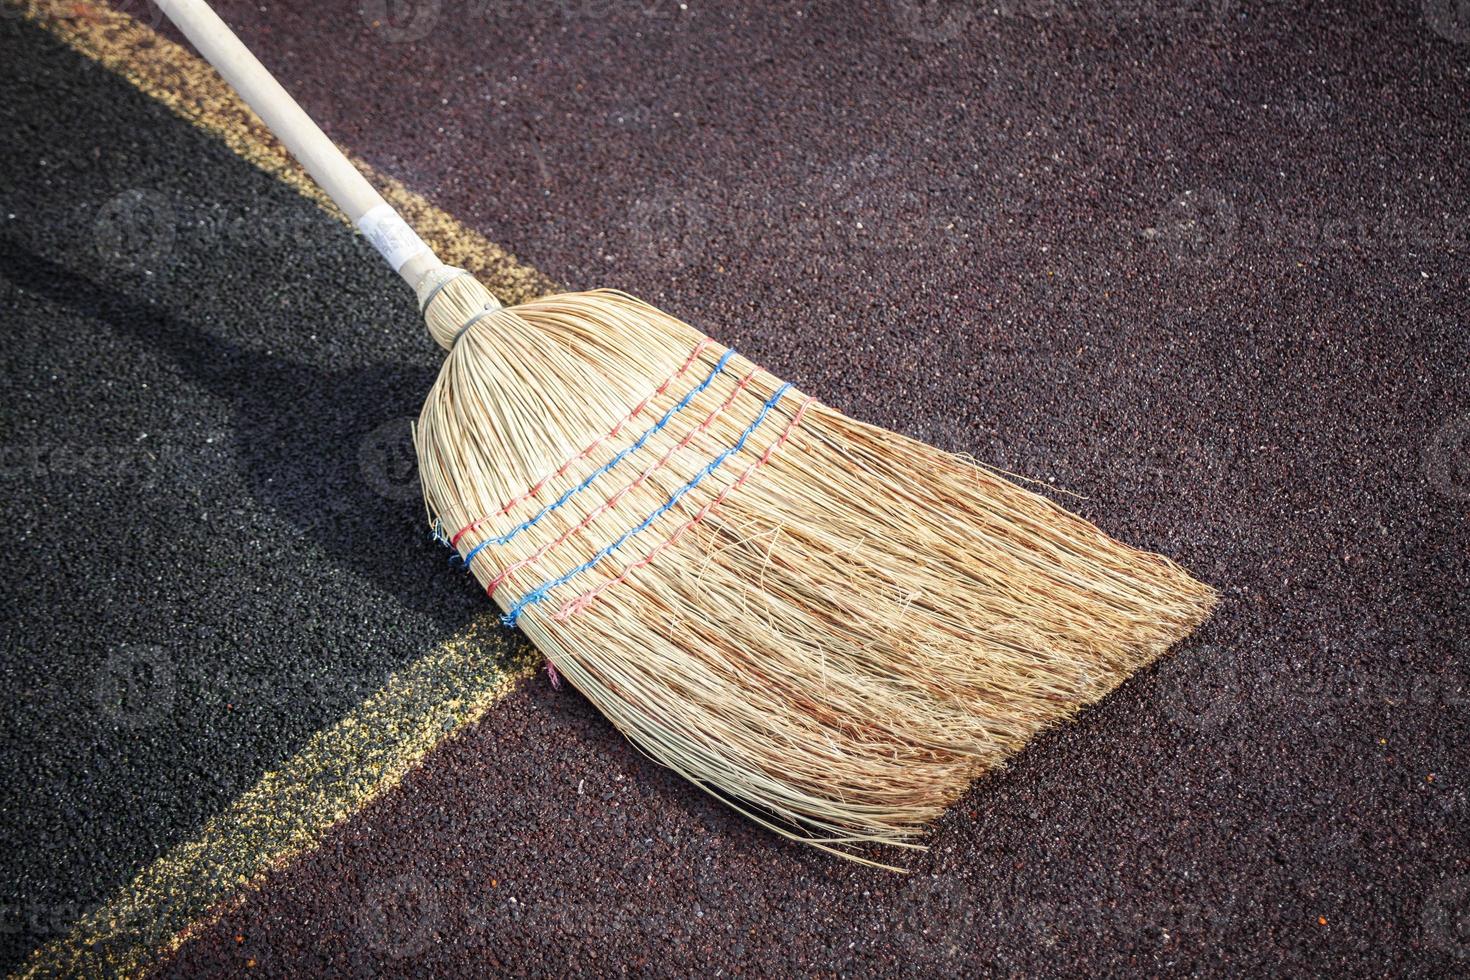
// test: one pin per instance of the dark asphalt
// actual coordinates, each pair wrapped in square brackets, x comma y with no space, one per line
[213,545]
[1204,264]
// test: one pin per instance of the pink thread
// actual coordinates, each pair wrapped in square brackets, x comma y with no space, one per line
[611,433]
[616,498]
[581,602]
[555,677]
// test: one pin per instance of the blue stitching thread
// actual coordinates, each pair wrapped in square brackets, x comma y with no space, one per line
[508,536]
[541,591]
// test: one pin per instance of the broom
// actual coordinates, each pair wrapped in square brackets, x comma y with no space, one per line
[830,626]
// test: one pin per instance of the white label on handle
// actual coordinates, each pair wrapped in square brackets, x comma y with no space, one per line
[391,235]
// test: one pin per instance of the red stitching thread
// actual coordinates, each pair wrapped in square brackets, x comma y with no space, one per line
[637,410]
[581,602]
[613,501]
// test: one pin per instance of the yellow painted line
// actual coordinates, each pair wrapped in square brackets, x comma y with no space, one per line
[287,813]
[175,76]
[343,768]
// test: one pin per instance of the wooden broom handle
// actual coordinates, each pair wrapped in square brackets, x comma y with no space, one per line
[398,244]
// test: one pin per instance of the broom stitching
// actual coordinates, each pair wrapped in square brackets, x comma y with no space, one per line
[541,591]
[581,602]
[616,498]
[491,307]
[434,293]
[510,535]
[637,410]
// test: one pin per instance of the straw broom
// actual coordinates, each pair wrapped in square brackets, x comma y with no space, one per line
[830,626]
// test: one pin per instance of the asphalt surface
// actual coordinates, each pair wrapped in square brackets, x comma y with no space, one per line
[214,544]
[1204,264]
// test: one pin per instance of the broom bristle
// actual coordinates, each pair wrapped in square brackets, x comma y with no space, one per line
[832,626]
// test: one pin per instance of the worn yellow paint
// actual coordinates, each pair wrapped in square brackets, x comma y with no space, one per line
[176,77]
[343,768]
[339,771]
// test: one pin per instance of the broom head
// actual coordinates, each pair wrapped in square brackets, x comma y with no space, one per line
[833,627]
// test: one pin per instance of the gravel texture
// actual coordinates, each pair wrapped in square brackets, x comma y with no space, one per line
[1201,263]
[213,541]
